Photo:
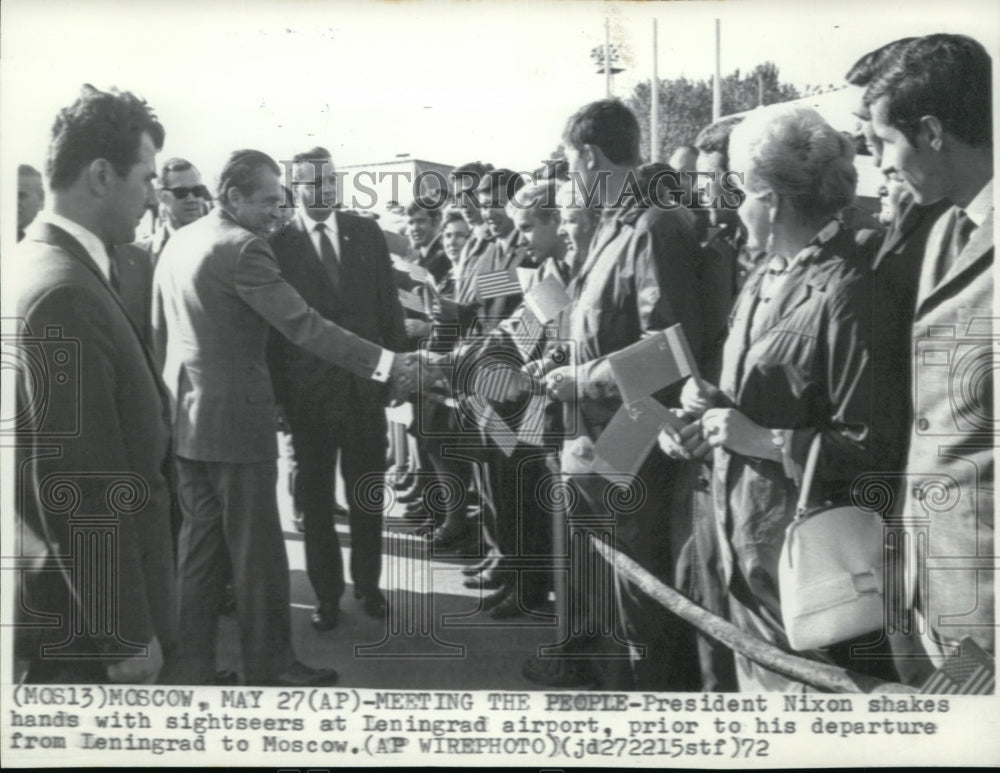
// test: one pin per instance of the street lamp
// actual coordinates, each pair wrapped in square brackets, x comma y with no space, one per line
[606,58]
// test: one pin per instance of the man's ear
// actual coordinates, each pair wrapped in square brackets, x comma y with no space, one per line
[99,174]
[931,132]
[592,156]
[773,206]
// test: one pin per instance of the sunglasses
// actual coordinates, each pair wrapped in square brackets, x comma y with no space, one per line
[183,192]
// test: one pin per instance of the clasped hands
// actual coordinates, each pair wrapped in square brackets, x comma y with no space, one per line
[709,427]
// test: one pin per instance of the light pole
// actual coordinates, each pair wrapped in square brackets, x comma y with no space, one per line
[606,57]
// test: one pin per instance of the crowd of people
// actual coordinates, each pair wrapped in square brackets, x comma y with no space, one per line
[505,324]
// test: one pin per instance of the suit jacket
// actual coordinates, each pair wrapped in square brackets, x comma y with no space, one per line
[365,303]
[950,460]
[100,427]
[896,273]
[135,286]
[155,243]
[499,255]
[436,261]
[218,290]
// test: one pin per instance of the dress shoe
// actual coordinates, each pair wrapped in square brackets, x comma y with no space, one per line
[298,674]
[375,604]
[324,617]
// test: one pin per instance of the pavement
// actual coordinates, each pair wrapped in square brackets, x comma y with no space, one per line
[436,635]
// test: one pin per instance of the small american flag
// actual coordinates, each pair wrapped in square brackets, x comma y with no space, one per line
[497,284]
[416,273]
[411,301]
[970,672]
[493,381]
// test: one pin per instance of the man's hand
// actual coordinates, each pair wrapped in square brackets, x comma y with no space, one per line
[731,429]
[560,384]
[698,396]
[402,377]
[138,670]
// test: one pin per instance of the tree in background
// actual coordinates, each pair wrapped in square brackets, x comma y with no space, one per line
[686,105]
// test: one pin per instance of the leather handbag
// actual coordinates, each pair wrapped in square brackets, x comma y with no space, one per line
[830,574]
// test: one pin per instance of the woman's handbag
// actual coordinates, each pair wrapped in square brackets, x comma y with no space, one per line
[830,571]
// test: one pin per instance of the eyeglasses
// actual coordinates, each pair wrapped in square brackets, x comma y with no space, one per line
[183,192]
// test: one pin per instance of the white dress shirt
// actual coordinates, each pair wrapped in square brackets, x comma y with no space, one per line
[330,228]
[384,365]
[94,246]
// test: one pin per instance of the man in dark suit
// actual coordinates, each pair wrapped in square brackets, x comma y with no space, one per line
[182,200]
[423,227]
[95,436]
[340,264]
[218,292]
[932,115]
[30,197]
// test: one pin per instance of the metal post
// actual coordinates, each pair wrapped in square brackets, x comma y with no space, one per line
[717,80]
[607,57]
[654,107]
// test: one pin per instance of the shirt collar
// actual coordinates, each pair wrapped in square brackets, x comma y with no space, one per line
[309,225]
[88,240]
[979,208]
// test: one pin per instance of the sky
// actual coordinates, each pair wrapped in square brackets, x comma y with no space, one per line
[442,81]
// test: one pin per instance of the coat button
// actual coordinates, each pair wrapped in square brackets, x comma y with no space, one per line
[918,493]
[923,424]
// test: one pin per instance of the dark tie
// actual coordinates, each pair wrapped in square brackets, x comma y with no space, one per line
[961,229]
[113,276]
[328,255]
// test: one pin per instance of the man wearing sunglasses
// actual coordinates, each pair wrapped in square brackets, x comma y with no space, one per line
[183,199]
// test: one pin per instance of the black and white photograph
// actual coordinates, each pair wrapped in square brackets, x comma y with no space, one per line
[532,384]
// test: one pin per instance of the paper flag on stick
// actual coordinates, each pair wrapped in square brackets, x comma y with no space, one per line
[533,425]
[416,273]
[497,430]
[628,438]
[656,361]
[547,298]
[411,301]
[497,284]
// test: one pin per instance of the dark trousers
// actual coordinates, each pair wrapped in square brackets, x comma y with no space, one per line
[661,650]
[230,507]
[521,524]
[362,447]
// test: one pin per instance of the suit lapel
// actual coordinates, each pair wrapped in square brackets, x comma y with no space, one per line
[59,238]
[980,245]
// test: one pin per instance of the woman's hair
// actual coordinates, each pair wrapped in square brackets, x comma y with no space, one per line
[792,151]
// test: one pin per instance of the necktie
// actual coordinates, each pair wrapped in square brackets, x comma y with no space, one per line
[328,255]
[113,276]
[960,231]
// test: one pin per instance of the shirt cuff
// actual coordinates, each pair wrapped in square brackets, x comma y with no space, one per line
[384,366]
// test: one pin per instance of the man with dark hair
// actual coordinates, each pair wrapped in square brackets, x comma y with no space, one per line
[931,111]
[218,293]
[340,265]
[423,224]
[30,197]
[466,179]
[96,438]
[640,276]
[182,200]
